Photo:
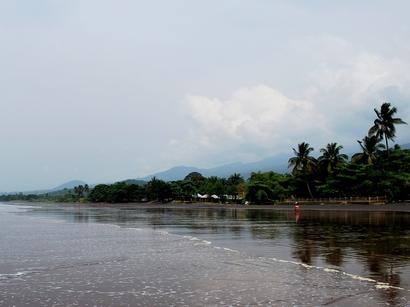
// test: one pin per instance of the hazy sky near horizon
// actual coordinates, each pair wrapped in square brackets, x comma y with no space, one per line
[104,90]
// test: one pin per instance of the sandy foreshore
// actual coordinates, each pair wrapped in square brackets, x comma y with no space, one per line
[395,207]
[64,260]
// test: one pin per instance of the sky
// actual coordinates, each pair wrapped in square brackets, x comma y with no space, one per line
[105,90]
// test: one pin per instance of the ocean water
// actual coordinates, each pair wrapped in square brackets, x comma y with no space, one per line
[124,256]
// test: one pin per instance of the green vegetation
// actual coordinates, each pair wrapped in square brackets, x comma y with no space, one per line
[304,166]
[375,171]
[384,124]
[78,194]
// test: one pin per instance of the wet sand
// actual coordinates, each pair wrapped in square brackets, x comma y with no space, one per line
[393,207]
[49,262]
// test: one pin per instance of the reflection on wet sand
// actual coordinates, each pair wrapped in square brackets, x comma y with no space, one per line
[373,244]
[380,241]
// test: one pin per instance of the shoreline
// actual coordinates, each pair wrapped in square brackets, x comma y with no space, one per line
[84,262]
[402,207]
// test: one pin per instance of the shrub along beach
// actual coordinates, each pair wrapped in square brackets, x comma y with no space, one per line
[379,172]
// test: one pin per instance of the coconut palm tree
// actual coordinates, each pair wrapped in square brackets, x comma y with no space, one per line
[302,163]
[79,190]
[384,124]
[331,157]
[370,146]
[234,184]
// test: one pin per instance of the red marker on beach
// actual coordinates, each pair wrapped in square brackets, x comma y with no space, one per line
[296,209]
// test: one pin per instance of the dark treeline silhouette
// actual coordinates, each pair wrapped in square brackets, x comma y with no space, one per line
[194,187]
[375,171]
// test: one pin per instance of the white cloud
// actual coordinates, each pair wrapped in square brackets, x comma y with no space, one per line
[348,93]
[336,105]
[93,85]
[256,121]
[358,80]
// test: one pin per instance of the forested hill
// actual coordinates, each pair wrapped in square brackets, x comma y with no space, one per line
[65,186]
[276,163]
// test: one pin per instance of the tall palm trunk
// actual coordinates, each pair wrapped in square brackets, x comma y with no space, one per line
[308,187]
[387,144]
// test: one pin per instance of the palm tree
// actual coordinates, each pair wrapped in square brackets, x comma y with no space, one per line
[384,124]
[331,157]
[79,190]
[235,179]
[370,147]
[233,184]
[302,163]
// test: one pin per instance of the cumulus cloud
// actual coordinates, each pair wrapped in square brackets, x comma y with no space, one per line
[257,117]
[358,80]
[94,85]
[347,94]
[336,105]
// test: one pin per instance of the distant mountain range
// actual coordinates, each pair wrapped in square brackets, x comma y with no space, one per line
[68,185]
[134,181]
[65,186]
[276,163]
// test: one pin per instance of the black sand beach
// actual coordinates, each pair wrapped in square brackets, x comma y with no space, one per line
[163,255]
[391,207]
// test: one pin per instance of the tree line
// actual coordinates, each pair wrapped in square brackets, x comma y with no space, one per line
[377,170]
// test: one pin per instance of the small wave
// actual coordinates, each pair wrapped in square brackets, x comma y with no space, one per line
[358,277]
[14,275]
[163,232]
[378,285]
[192,238]
[230,250]
[382,285]
[203,242]
[135,229]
